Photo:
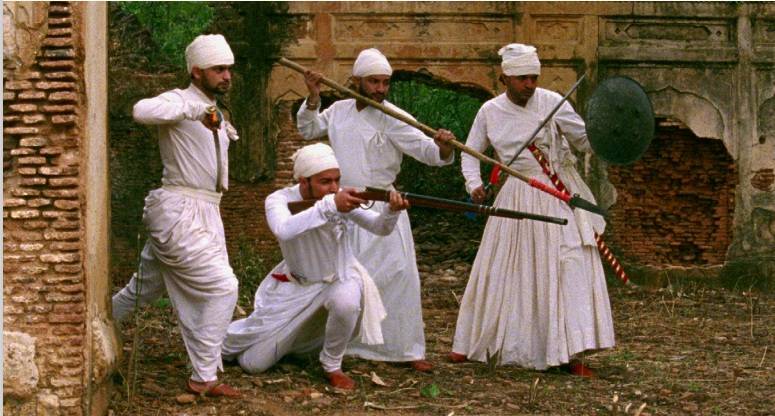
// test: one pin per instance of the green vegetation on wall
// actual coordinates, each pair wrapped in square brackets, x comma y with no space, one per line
[439,105]
[171,26]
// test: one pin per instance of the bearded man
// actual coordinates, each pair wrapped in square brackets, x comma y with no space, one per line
[319,292]
[537,293]
[186,249]
[370,146]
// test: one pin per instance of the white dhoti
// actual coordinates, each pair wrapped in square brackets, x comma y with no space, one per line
[391,262]
[370,146]
[186,250]
[323,276]
[536,295]
[291,318]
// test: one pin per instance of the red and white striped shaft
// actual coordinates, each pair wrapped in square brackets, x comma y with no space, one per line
[605,252]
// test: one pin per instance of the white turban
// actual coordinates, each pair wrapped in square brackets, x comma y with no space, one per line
[371,62]
[207,51]
[519,59]
[313,159]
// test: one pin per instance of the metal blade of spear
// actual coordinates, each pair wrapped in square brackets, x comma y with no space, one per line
[574,201]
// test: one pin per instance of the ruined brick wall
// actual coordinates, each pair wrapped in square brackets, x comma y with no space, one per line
[707,65]
[674,205]
[44,286]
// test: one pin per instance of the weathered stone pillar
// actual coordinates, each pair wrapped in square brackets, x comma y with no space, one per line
[752,254]
[59,345]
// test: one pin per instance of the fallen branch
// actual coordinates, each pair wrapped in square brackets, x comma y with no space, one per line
[371,405]
[763,355]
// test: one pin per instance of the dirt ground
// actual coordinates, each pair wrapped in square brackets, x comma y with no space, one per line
[684,349]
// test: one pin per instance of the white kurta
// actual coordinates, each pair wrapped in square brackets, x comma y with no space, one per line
[288,317]
[369,146]
[186,248]
[537,293]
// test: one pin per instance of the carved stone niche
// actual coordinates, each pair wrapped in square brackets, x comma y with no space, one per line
[763,156]
[25,24]
[703,31]
[764,31]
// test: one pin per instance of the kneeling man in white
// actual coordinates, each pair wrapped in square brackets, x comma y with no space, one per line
[317,295]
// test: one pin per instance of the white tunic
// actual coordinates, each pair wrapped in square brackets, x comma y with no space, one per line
[318,257]
[537,293]
[369,146]
[186,248]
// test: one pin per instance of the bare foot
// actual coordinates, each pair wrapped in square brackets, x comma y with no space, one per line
[212,389]
[457,358]
[422,366]
[340,380]
[576,368]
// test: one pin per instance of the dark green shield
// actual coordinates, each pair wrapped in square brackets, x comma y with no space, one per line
[620,120]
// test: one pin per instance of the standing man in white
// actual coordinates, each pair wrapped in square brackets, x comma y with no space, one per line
[316,296]
[537,293]
[186,249]
[369,146]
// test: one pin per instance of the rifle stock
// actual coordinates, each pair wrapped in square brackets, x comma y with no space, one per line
[373,194]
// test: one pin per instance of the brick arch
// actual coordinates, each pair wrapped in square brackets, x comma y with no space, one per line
[428,77]
[697,113]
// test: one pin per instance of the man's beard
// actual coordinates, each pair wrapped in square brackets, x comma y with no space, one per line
[217,89]
[311,190]
[374,96]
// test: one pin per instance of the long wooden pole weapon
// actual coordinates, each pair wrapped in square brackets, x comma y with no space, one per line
[374,194]
[574,201]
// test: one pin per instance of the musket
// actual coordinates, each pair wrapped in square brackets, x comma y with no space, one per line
[374,194]
[574,200]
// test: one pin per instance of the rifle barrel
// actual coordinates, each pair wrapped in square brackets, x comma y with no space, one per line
[373,194]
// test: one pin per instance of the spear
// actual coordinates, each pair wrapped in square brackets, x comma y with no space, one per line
[572,200]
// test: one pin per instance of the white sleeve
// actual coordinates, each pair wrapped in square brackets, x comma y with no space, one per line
[477,140]
[167,108]
[312,123]
[573,127]
[286,226]
[380,224]
[411,141]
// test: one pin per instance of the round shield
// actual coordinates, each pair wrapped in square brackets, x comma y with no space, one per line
[620,120]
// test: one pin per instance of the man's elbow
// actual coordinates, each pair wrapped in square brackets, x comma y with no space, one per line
[140,112]
[385,230]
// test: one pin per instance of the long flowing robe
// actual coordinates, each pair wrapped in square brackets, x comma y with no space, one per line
[369,146]
[537,294]
[186,248]
[288,317]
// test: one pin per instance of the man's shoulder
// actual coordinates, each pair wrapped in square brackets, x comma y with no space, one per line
[341,104]
[399,110]
[548,94]
[289,193]
[494,102]
[174,95]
